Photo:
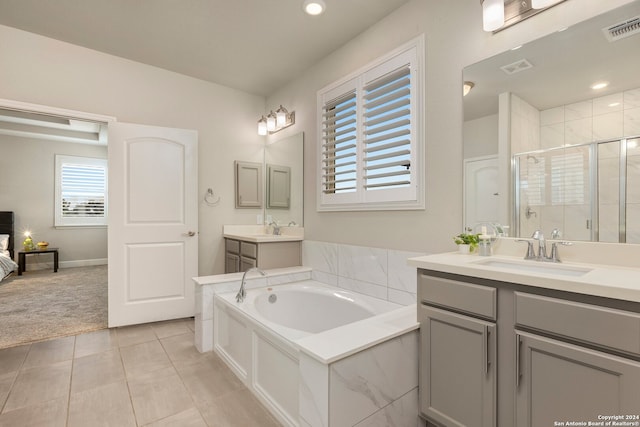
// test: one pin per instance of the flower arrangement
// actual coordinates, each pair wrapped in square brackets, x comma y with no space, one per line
[467,238]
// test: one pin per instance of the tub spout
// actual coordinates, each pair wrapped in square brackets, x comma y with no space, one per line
[241,292]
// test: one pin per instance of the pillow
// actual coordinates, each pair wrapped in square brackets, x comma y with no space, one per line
[4,242]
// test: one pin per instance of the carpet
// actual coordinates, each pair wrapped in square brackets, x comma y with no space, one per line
[41,304]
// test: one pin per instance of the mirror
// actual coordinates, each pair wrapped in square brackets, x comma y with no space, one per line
[570,151]
[284,177]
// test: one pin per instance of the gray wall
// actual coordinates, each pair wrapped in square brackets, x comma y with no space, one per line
[27,187]
[480,137]
[455,39]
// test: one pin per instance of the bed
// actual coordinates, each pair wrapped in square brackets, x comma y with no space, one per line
[7,237]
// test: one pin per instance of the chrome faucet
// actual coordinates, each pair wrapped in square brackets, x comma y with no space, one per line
[542,245]
[276,228]
[240,296]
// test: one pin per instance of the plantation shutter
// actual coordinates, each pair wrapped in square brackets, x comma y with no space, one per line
[568,179]
[387,134]
[339,146]
[83,190]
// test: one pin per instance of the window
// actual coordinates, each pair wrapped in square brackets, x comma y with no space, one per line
[370,141]
[81,191]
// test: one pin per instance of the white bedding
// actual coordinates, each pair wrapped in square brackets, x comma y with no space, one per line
[6,265]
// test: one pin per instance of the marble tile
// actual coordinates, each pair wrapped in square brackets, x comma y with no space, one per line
[239,408]
[174,327]
[401,297]
[608,219]
[608,126]
[400,413]
[159,396]
[51,351]
[578,110]
[208,379]
[552,116]
[361,287]
[108,405]
[633,179]
[552,136]
[288,278]
[52,413]
[578,131]
[313,392]
[608,104]
[203,336]
[632,122]
[329,279]
[40,384]
[363,263]
[96,370]
[11,359]
[131,335]
[320,256]
[575,222]
[95,342]
[141,359]
[400,275]
[362,384]
[608,181]
[633,223]
[631,98]
[610,150]
[188,418]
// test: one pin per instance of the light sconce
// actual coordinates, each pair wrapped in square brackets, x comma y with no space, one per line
[500,14]
[275,122]
[466,88]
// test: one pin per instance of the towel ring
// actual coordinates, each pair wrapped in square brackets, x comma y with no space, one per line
[210,198]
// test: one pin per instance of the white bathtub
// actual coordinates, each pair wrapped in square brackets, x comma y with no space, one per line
[262,338]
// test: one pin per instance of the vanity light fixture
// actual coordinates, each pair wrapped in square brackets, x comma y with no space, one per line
[314,7]
[275,122]
[466,88]
[500,14]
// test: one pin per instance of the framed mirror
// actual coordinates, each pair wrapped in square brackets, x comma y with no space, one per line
[551,133]
[284,178]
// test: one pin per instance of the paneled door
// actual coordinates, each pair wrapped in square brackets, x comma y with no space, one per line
[481,191]
[153,220]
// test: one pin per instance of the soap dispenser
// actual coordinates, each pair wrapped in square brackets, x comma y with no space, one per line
[484,243]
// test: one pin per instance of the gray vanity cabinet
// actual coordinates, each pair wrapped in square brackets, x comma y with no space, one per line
[241,255]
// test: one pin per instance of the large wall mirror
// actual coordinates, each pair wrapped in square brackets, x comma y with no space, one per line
[570,151]
[284,175]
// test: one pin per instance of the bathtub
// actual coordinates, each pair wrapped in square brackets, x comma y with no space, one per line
[264,338]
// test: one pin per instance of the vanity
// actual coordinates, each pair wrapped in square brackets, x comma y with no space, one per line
[248,246]
[511,342]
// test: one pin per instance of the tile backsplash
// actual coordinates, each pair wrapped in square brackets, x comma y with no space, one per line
[380,273]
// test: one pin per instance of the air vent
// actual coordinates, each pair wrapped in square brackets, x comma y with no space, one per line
[516,67]
[622,29]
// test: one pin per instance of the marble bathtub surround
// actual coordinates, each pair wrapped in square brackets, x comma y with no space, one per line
[380,273]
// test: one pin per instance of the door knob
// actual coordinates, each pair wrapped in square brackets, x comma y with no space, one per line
[190,233]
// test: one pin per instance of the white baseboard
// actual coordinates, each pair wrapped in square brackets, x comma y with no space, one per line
[34,264]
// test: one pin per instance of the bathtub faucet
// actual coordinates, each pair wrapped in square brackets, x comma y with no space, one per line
[241,292]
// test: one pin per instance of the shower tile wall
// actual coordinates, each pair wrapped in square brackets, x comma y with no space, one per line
[381,273]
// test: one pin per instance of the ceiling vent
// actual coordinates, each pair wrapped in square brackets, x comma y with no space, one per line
[516,67]
[622,29]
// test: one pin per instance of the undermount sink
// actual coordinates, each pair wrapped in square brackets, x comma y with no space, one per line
[535,267]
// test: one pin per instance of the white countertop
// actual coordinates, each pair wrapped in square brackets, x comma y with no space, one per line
[262,234]
[602,280]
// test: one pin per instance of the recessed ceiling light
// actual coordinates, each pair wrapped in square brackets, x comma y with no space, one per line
[600,85]
[516,48]
[614,104]
[314,7]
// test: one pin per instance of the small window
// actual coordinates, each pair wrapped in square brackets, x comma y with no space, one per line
[370,141]
[81,191]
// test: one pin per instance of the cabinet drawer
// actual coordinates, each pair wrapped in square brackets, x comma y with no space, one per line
[466,297]
[232,246]
[249,249]
[615,329]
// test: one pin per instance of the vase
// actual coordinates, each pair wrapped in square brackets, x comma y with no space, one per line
[464,248]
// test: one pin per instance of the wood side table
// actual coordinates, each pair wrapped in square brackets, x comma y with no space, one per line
[22,259]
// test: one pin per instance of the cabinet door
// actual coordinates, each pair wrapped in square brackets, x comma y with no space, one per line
[457,369]
[232,263]
[557,382]
[247,263]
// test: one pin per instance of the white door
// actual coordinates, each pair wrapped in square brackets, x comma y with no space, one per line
[153,220]
[481,191]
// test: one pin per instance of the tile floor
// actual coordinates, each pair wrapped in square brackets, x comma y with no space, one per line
[144,375]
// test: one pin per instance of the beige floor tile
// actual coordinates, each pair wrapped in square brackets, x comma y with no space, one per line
[191,324]
[208,379]
[239,408]
[189,418]
[51,351]
[102,406]
[48,414]
[171,328]
[6,381]
[131,335]
[96,342]
[37,385]
[11,359]
[96,370]
[159,396]
[143,358]
[181,348]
